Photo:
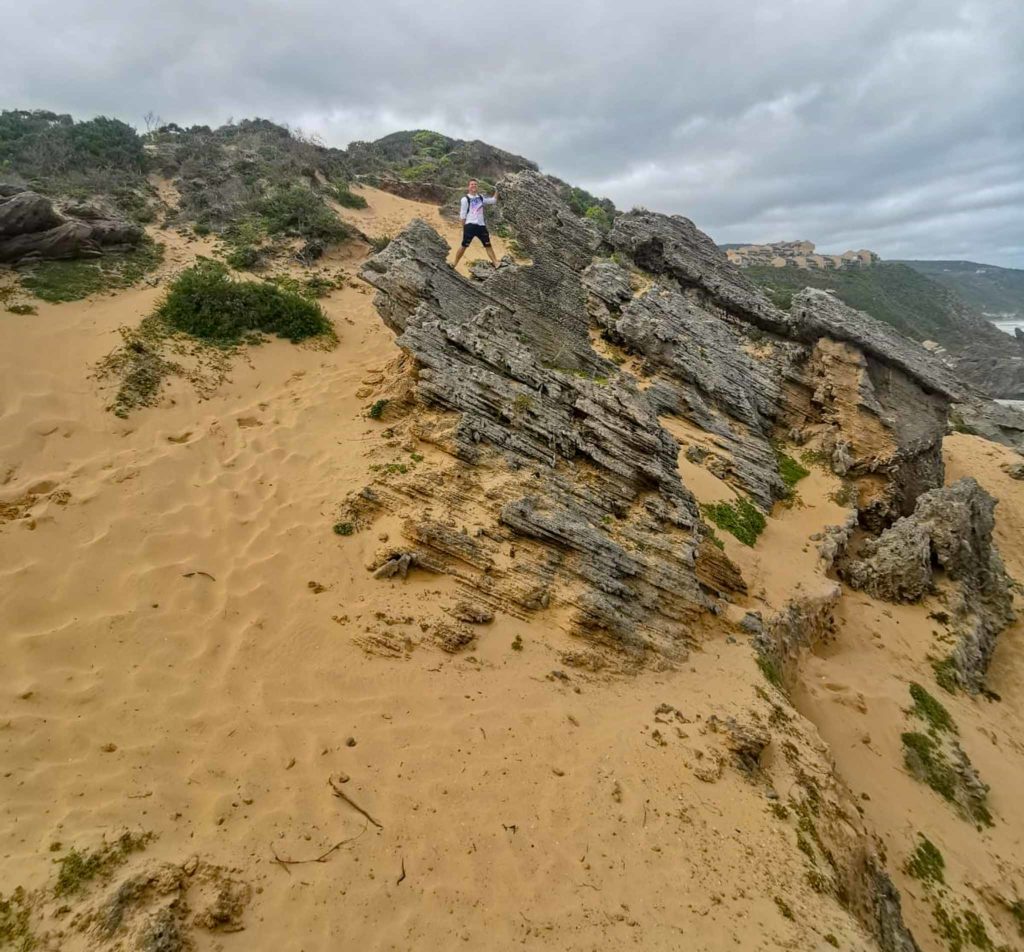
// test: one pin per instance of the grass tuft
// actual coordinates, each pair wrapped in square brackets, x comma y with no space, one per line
[16,922]
[946,675]
[931,711]
[741,518]
[926,862]
[925,759]
[790,470]
[79,868]
[61,281]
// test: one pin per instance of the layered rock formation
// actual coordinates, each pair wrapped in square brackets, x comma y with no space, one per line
[797,254]
[569,466]
[31,229]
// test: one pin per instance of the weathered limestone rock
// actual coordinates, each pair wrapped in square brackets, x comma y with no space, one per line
[24,213]
[31,229]
[951,530]
[583,479]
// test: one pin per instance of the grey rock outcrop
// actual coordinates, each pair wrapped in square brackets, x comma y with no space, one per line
[990,420]
[512,379]
[950,530]
[593,480]
[32,230]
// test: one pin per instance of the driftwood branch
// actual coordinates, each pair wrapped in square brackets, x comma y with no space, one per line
[341,795]
[322,858]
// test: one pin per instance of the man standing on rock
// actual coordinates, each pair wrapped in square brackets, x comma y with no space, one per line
[471,214]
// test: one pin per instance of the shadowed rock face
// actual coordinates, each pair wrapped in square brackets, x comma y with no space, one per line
[585,479]
[32,230]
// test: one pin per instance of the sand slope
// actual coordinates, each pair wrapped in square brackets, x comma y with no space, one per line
[185,652]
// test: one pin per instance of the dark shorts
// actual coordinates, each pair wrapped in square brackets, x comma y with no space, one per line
[469,232]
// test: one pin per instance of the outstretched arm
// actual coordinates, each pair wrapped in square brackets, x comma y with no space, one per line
[492,199]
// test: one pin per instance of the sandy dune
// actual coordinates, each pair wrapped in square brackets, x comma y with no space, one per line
[184,643]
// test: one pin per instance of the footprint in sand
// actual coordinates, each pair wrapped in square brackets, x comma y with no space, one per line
[247,421]
[182,438]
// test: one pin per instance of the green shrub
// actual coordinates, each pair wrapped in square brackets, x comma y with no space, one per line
[245,257]
[297,212]
[420,172]
[46,146]
[380,242]
[599,217]
[21,309]
[344,528]
[377,410]
[741,518]
[345,197]
[206,302]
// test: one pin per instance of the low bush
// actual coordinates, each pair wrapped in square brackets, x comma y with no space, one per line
[345,197]
[298,212]
[206,302]
[245,257]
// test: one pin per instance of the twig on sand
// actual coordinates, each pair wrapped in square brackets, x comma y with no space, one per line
[322,858]
[400,878]
[204,574]
[341,795]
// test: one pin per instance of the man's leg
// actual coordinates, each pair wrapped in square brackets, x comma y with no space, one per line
[485,240]
[467,237]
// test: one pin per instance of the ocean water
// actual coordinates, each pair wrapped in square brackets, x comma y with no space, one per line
[1008,327]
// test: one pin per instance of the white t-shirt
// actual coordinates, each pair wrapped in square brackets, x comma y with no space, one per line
[471,208]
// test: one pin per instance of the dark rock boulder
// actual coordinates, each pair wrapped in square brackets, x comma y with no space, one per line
[25,213]
[32,230]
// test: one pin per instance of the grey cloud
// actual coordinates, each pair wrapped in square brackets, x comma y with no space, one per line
[889,124]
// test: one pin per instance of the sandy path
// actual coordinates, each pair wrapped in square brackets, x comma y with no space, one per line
[527,810]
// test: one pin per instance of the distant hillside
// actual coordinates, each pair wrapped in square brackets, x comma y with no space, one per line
[248,180]
[990,290]
[918,307]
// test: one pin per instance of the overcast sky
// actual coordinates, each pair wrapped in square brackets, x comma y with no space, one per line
[895,125]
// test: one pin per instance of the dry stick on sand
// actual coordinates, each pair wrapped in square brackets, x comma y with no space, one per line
[322,858]
[338,792]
